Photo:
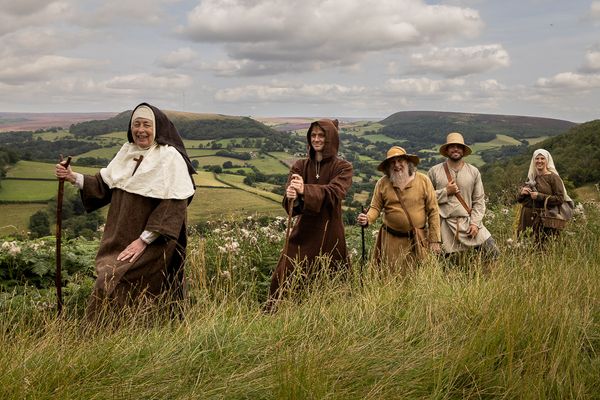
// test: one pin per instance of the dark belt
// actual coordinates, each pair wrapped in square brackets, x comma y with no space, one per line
[396,233]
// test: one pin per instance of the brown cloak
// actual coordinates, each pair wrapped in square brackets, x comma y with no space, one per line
[319,229]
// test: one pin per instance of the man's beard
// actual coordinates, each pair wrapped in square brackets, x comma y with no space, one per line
[400,178]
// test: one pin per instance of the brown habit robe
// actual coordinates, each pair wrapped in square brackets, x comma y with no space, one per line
[159,270]
[319,229]
[548,186]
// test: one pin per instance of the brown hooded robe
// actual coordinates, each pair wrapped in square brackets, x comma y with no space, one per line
[319,229]
[159,270]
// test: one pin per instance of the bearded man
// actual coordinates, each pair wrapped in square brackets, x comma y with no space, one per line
[461,200]
[407,200]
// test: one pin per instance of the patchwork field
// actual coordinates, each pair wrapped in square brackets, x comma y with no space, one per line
[229,202]
[14,218]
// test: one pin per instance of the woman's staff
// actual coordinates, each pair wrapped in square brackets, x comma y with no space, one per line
[59,203]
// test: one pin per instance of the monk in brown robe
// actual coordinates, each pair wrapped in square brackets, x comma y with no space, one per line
[148,186]
[400,191]
[316,188]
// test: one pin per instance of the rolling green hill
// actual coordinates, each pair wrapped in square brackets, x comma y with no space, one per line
[421,129]
[190,125]
[576,154]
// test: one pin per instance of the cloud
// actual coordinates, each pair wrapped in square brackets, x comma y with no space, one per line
[178,58]
[570,81]
[423,86]
[147,83]
[460,61]
[591,63]
[18,71]
[595,9]
[323,34]
[16,15]
[287,92]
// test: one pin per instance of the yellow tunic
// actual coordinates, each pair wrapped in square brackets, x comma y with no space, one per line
[420,200]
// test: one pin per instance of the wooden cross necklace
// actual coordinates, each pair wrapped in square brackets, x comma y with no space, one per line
[318,167]
[138,162]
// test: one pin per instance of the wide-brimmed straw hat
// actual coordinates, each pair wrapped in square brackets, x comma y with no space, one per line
[454,138]
[397,151]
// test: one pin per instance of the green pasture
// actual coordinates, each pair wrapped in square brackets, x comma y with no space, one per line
[205,178]
[13,190]
[115,135]
[383,138]
[238,182]
[104,152]
[194,153]
[500,140]
[193,144]
[360,128]
[268,165]
[54,135]
[589,192]
[39,170]
[536,140]
[219,203]
[217,160]
[14,218]
[361,197]
[368,159]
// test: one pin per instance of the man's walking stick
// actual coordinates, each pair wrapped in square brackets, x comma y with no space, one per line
[59,203]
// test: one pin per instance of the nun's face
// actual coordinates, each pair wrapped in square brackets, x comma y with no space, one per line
[142,131]
[541,164]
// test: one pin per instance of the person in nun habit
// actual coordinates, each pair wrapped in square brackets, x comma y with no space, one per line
[148,185]
[543,185]
[316,188]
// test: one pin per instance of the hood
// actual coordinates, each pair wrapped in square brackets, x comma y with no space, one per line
[332,138]
[164,133]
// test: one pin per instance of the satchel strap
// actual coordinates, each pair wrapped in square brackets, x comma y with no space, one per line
[458,196]
[397,190]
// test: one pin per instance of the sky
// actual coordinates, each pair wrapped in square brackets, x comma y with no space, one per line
[305,58]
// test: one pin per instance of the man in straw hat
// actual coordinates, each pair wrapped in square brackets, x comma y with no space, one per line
[408,203]
[461,199]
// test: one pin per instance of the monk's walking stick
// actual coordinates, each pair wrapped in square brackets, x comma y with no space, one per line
[290,210]
[59,203]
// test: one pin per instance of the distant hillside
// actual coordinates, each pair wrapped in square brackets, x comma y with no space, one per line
[576,154]
[189,125]
[421,129]
[33,121]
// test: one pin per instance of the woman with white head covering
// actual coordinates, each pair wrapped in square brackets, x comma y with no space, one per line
[543,183]
[148,185]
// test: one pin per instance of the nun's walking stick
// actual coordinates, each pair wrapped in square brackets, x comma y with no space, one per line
[59,203]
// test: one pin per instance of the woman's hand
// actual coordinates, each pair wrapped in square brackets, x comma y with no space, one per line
[64,173]
[133,251]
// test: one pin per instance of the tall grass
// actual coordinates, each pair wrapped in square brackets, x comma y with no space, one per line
[526,326]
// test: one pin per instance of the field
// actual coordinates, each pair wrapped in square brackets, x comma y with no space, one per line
[39,170]
[517,328]
[14,218]
[269,165]
[222,203]
[238,182]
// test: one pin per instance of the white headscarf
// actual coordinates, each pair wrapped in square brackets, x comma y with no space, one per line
[551,167]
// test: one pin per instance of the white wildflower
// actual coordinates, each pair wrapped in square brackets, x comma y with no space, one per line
[225,274]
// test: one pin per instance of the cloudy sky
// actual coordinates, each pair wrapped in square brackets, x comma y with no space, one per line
[337,58]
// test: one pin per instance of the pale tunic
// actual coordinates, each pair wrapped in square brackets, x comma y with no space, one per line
[453,215]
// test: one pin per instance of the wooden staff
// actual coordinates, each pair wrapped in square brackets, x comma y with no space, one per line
[59,203]
[290,210]
[362,237]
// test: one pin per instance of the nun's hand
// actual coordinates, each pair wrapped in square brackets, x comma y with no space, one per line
[534,195]
[133,251]
[64,173]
